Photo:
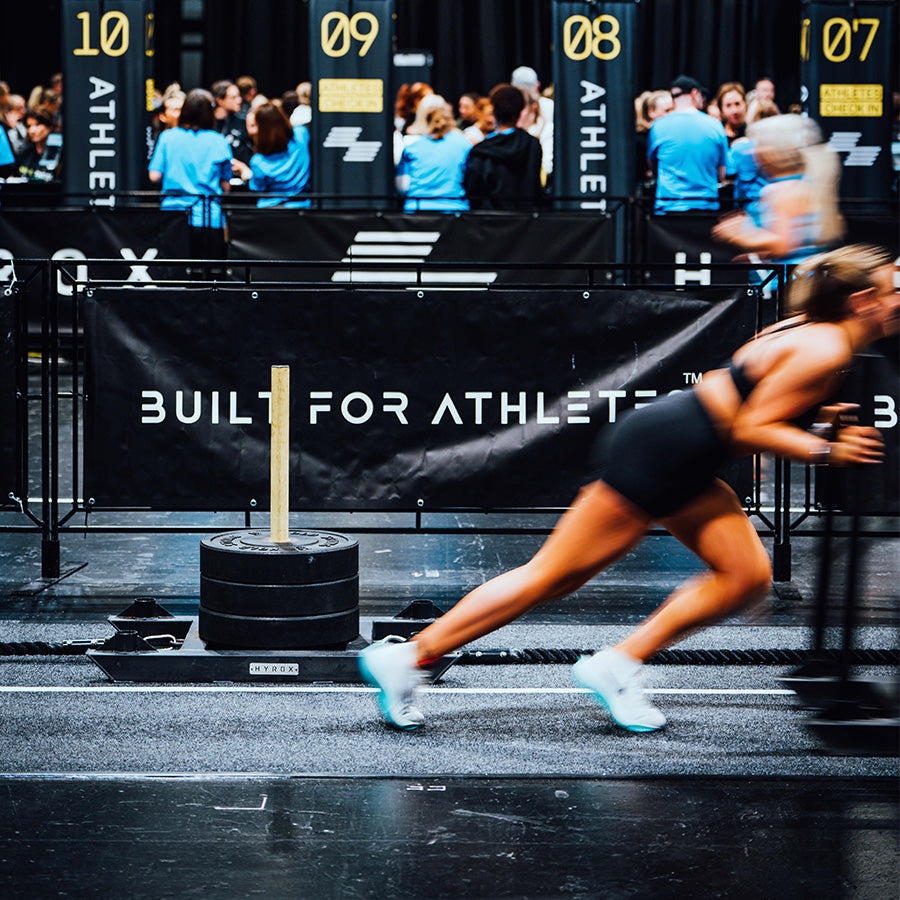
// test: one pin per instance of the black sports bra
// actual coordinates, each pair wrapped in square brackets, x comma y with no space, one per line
[742,382]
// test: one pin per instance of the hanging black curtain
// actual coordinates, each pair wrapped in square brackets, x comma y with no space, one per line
[477,43]
[268,39]
[30,44]
[730,40]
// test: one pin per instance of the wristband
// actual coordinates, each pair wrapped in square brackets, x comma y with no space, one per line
[820,455]
[822,430]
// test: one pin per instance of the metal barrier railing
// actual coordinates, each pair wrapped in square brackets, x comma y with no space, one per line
[47,276]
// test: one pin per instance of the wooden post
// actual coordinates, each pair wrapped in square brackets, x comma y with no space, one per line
[280,454]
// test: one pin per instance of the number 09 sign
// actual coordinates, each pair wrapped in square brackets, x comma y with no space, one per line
[350,58]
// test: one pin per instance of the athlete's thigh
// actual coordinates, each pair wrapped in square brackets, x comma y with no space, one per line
[716,528]
[599,528]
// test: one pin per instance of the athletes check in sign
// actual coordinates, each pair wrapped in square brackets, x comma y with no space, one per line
[351,95]
[350,58]
[451,398]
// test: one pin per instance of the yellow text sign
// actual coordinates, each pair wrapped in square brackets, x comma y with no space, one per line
[845,100]
[351,95]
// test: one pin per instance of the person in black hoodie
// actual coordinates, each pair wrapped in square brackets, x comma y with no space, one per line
[229,122]
[504,170]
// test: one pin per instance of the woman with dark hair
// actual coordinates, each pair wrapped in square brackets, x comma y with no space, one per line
[192,163]
[484,121]
[660,465]
[39,159]
[281,162]
[431,169]
[731,101]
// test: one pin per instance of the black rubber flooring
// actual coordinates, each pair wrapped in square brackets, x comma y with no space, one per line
[477,838]
[517,786]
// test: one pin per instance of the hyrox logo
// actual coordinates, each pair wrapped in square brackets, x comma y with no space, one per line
[64,285]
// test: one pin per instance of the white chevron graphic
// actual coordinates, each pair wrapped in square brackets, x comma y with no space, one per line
[410,247]
[356,150]
[846,142]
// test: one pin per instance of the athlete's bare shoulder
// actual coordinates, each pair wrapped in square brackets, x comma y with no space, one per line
[818,348]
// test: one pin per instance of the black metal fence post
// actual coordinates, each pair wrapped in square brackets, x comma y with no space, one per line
[49,425]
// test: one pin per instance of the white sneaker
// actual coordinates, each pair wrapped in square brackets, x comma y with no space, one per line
[614,680]
[390,666]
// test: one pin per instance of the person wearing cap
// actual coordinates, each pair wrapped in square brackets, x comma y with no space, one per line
[688,150]
[526,78]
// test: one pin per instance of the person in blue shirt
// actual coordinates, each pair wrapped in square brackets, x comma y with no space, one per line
[431,169]
[688,150]
[749,179]
[7,158]
[281,163]
[798,208]
[193,163]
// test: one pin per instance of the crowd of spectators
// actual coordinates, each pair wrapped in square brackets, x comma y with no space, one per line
[782,179]
[496,152]
[493,151]
[31,132]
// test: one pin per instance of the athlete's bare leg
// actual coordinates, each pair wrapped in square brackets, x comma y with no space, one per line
[600,527]
[719,532]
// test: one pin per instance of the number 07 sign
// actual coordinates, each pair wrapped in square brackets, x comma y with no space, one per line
[846,52]
[352,125]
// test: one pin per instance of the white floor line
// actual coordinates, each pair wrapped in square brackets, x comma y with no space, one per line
[347,689]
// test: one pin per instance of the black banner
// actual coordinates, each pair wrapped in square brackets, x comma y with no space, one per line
[8,480]
[680,248]
[846,63]
[593,74]
[352,125]
[399,401]
[349,243]
[872,383]
[132,235]
[683,244]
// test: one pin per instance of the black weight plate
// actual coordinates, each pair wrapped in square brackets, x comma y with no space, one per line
[283,600]
[249,557]
[296,633]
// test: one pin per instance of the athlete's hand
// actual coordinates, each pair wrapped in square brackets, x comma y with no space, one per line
[831,418]
[730,228]
[856,444]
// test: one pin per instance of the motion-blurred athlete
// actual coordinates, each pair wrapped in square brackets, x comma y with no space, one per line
[659,466]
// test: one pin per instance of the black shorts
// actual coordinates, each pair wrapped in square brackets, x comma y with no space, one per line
[661,456]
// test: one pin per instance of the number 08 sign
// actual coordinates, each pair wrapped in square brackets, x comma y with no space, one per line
[593,74]
[352,124]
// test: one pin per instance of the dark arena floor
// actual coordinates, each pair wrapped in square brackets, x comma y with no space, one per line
[517,786]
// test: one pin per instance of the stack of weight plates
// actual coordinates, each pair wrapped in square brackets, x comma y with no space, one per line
[259,595]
